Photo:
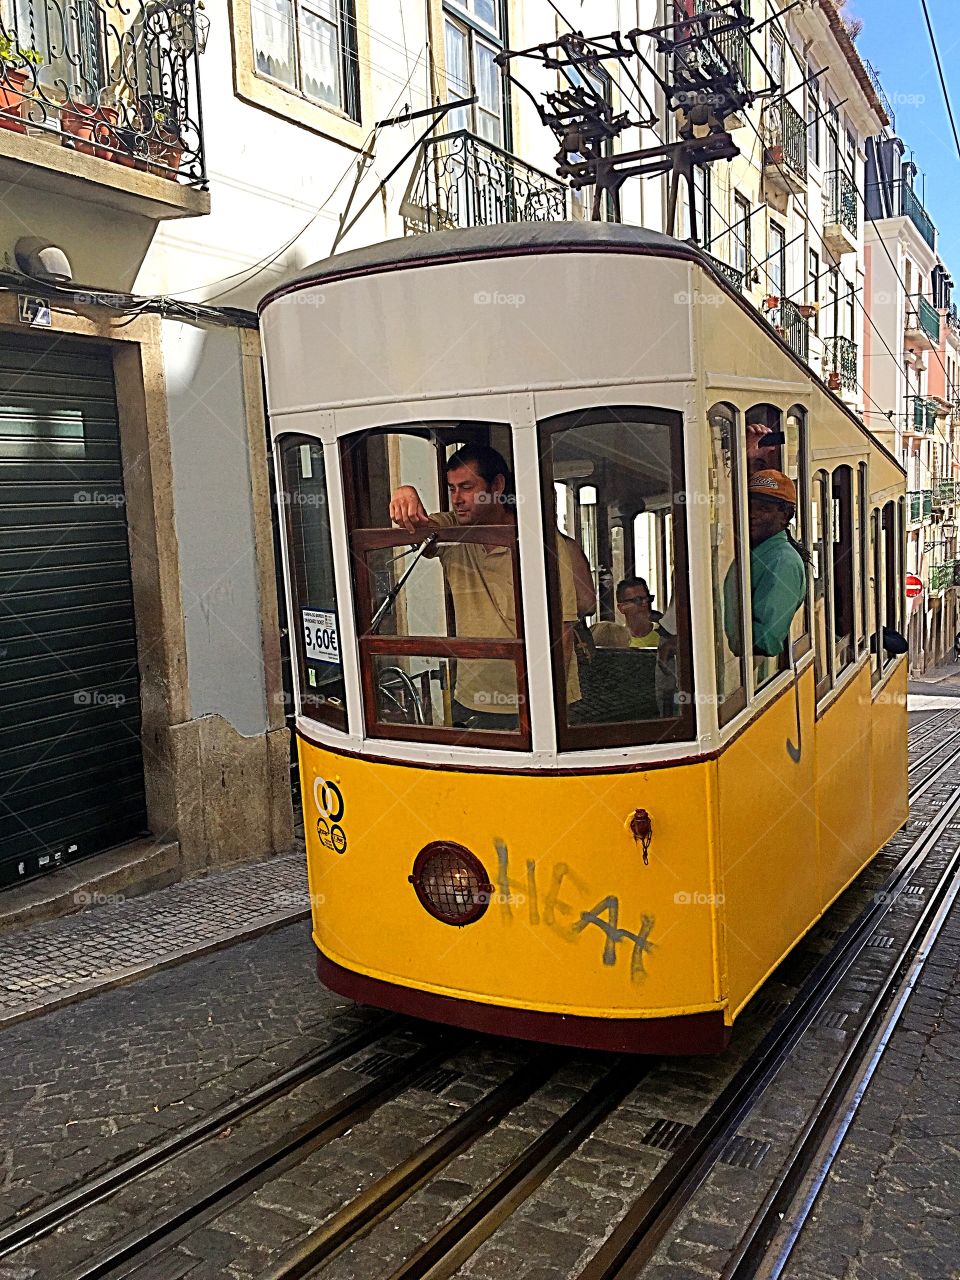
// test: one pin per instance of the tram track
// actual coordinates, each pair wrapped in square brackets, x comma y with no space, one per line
[34,1225]
[658,1208]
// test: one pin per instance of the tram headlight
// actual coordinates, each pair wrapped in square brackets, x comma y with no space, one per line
[451,883]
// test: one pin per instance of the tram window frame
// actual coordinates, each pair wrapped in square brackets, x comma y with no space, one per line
[901,565]
[863,512]
[876,561]
[362,539]
[821,535]
[731,704]
[891,575]
[796,419]
[843,569]
[319,708]
[638,733]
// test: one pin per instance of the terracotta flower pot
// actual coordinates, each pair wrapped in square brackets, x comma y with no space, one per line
[168,157]
[12,99]
[833,380]
[78,123]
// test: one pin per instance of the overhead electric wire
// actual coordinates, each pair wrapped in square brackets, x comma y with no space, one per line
[943,82]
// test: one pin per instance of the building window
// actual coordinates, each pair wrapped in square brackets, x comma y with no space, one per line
[813,120]
[473,36]
[703,204]
[310,47]
[776,58]
[777,261]
[813,287]
[741,235]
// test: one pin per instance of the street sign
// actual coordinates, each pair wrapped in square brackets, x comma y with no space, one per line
[914,586]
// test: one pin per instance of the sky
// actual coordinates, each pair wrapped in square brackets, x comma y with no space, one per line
[895,39]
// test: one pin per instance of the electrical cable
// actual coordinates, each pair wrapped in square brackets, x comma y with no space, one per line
[943,82]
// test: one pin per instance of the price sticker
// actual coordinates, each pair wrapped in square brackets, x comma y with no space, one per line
[321,640]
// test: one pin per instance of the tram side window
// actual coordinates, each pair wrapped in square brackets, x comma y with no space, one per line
[315,616]
[876,594]
[863,544]
[632,680]
[892,577]
[843,542]
[431,513]
[726,559]
[795,466]
[822,599]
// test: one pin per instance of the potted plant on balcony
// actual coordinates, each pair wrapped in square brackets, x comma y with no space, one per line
[15,77]
[773,154]
[833,380]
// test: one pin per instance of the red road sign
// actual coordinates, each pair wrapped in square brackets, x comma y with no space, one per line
[914,586]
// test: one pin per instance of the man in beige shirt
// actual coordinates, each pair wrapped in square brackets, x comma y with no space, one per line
[480,580]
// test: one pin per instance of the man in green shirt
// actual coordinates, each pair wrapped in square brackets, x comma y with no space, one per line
[778,576]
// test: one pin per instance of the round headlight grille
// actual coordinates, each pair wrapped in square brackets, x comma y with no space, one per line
[451,883]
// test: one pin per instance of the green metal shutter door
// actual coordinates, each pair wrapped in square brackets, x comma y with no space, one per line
[71,763]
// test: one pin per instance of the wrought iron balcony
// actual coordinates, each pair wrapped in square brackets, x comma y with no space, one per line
[724,268]
[110,79]
[462,180]
[900,200]
[785,146]
[840,200]
[923,317]
[840,358]
[921,415]
[943,575]
[945,493]
[793,326]
[732,46]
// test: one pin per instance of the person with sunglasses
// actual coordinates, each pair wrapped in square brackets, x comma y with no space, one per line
[637,631]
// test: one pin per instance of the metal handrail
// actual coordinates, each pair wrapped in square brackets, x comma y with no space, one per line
[840,200]
[786,131]
[465,181]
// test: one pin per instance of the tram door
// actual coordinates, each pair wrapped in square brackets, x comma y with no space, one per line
[71,766]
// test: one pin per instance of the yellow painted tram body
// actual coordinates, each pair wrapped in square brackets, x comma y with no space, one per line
[767,787]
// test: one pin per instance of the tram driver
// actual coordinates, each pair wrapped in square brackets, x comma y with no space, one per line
[778,576]
[480,581]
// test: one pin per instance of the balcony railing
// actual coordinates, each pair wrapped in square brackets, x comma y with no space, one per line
[840,357]
[915,498]
[786,137]
[907,205]
[730,273]
[921,415]
[111,79]
[943,575]
[793,327]
[465,181]
[732,46]
[945,493]
[840,200]
[927,316]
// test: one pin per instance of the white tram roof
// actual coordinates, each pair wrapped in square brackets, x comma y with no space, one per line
[477,242]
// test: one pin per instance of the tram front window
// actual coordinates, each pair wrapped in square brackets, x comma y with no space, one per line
[613,481]
[437,596]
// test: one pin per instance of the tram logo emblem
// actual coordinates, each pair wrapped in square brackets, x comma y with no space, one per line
[328,798]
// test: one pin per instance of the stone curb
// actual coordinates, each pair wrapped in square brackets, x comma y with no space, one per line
[122,977]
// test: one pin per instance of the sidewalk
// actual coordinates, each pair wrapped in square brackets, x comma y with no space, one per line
[60,961]
[936,688]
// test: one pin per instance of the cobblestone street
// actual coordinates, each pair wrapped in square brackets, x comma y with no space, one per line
[91,1084]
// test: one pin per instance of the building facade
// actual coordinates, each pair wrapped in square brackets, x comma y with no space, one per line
[162,166]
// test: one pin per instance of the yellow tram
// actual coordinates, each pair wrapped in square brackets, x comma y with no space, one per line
[617,842]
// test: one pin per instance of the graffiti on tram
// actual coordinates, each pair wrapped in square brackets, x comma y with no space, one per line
[604,916]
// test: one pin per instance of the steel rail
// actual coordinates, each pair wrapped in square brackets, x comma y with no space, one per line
[840,1100]
[925,728]
[390,1191]
[221,1192]
[17,1232]
[928,756]
[635,1238]
[446,1251]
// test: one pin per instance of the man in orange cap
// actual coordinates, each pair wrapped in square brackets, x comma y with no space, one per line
[778,576]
